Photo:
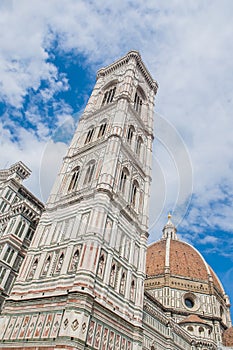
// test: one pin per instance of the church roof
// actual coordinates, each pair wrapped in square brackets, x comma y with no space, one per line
[179,259]
[227,337]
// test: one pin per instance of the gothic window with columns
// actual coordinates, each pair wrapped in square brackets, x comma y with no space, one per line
[9,194]
[132,290]
[12,222]
[123,179]
[102,130]
[138,102]
[101,266]
[89,135]
[59,263]
[134,190]
[2,273]
[109,95]
[130,133]
[18,263]
[75,260]
[113,275]
[122,283]
[46,266]
[8,254]
[20,228]
[30,234]
[139,145]
[33,269]
[74,179]
[3,206]
[89,172]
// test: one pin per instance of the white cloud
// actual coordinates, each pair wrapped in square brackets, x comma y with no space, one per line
[188,48]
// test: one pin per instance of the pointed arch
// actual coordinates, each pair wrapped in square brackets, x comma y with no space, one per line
[33,268]
[75,260]
[59,263]
[123,178]
[46,266]
[90,135]
[102,129]
[20,228]
[89,172]
[139,143]
[139,97]
[8,254]
[101,265]
[122,283]
[130,133]
[74,179]
[2,273]
[109,93]
[132,290]
[134,190]
[113,274]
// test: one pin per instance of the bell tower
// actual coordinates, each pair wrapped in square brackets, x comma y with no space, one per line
[82,282]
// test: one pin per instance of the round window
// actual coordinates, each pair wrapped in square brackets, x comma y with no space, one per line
[189,303]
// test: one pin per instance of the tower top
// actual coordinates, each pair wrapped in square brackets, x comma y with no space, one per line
[169,230]
[133,54]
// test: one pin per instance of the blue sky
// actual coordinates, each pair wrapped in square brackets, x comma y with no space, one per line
[50,51]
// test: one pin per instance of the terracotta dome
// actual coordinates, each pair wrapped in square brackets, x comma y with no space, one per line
[227,337]
[180,259]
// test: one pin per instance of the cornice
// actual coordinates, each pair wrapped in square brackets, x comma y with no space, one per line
[124,60]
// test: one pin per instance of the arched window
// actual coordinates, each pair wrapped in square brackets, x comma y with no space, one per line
[221,310]
[132,290]
[3,206]
[131,131]
[102,130]
[30,234]
[9,194]
[20,228]
[108,96]
[89,172]
[74,179]
[46,266]
[89,136]
[74,261]
[113,275]
[123,178]
[33,269]
[139,145]
[12,222]
[59,263]
[101,265]
[201,329]
[134,190]
[138,102]
[122,283]
[2,273]
[8,255]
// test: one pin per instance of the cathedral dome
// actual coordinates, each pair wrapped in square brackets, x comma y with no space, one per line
[228,337]
[170,256]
